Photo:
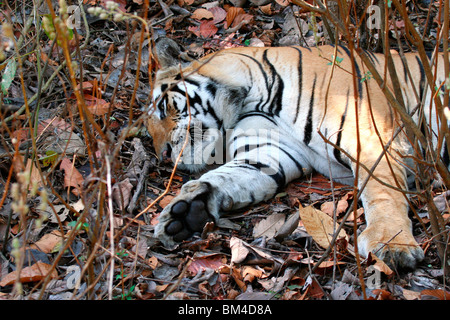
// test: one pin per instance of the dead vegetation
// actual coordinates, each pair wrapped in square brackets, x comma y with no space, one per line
[82,189]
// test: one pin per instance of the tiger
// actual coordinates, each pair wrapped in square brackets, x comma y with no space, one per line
[270,115]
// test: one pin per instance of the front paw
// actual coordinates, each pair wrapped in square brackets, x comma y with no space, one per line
[397,249]
[187,214]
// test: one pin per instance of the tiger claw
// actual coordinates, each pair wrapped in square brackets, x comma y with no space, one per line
[402,251]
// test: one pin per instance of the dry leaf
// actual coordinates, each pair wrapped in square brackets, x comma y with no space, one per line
[231,15]
[210,261]
[288,227]
[379,264]
[269,227]
[328,207]
[239,250]
[165,201]
[319,225]
[36,272]
[243,18]
[60,138]
[438,294]
[35,175]
[202,13]
[218,13]
[48,242]
[72,177]
[249,273]
[122,193]
[96,106]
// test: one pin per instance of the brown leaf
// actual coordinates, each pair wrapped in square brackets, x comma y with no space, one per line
[379,264]
[269,227]
[242,18]
[202,13]
[210,261]
[35,175]
[231,15]
[437,293]
[48,241]
[328,207]
[319,225]
[121,192]
[219,14]
[72,177]
[36,272]
[249,274]
[165,200]
[96,106]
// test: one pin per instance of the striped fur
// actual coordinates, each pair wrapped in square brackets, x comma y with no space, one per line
[236,94]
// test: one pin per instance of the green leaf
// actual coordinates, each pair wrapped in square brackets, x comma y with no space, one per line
[337,60]
[50,158]
[8,75]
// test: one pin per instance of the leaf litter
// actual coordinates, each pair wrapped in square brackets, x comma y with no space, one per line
[263,252]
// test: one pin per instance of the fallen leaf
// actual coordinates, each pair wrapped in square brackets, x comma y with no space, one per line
[165,201]
[35,175]
[48,241]
[210,261]
[438,294]
[239,250]
[60,138]
[243,18]
[242,252]
[410,295]
[379,264]
[72,177]
[269,227]
[288,227]
[218,13]
[249,274]
[206,29]
[327,266]
[329,207]
[319,225]
[36,272]
[122,193]
[96,106]
[231,15]
[202,13]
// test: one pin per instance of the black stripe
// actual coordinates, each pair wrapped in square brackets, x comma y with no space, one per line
[261,68]
[308,127]
[300,80]
[358,72]
[256,114]
[297,164]
[276,103]
[279,177]
[422,78]
[336,152]
[210,111]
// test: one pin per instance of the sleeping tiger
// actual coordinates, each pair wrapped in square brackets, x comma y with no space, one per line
[272,115]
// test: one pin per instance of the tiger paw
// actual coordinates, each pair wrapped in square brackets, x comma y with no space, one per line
[187,213]
[396,249]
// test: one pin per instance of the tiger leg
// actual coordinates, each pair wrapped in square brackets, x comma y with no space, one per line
[256,173]
[389,230]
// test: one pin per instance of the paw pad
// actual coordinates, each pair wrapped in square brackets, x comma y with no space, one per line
[187,218]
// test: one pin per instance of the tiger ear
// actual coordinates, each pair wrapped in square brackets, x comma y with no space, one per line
[169,53]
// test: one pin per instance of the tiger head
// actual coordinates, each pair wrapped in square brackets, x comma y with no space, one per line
[186,114]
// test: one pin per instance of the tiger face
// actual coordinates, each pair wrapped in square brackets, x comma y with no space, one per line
[179,131]
[200,106]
